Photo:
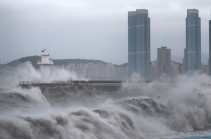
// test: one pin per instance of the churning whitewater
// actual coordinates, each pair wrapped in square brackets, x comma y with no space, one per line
[177,108]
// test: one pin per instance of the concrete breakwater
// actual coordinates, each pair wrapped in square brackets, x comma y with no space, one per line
[105,85]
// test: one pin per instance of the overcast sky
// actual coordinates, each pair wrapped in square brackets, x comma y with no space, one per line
[92,29]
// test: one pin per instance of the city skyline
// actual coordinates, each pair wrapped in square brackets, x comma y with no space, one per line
[139,46]
[30,26]
[105,69]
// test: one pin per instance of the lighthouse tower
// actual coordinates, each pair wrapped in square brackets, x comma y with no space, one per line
[45,64]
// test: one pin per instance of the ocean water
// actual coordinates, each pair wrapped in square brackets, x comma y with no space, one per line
[205,137]
[163,109]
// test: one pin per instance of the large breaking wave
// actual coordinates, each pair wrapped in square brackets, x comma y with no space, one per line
[160,109]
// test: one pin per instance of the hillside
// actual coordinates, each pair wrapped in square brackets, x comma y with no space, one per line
[32,59]
[57,62]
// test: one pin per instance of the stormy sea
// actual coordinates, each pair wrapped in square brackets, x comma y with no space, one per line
[176,108]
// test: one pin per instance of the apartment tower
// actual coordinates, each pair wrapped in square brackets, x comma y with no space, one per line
[193,41]
[139,43]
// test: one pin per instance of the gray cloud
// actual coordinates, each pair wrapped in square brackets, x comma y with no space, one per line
[94,29]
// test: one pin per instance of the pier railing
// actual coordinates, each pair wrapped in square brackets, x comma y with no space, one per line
[73,83]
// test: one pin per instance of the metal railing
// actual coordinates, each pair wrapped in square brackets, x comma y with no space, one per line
[74,83]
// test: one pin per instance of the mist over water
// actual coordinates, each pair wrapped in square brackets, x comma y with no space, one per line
[26,72]
[164,108]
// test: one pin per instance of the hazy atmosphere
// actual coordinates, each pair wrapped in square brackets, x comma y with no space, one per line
[81,69]
[94,29]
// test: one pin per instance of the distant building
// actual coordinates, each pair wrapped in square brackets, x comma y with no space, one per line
[163,61]
[204,69]
[99,71]
[184,61]
[45,64]
[139,43]
[209,47]
[131,42]
[193,40]
[176,69]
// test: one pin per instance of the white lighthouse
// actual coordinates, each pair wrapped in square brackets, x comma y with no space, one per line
[45,64]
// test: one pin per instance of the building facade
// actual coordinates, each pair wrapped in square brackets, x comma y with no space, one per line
[184,67]
[209,47]
[139,43]
[193,40]
[131,42]
[163,61]
[98,71]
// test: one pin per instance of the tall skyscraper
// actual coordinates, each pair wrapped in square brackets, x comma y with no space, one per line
[184,61]
[209,47]
[193,40]
[163,61]
[139,43]
[131,42]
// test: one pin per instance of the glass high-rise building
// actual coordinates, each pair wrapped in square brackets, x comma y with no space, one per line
[139,42]
[209,47]
[193,40]
[184,61]
[131,42]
